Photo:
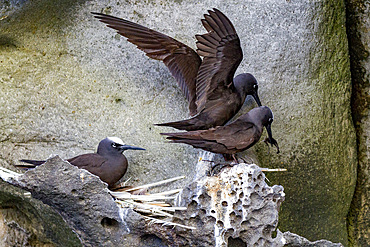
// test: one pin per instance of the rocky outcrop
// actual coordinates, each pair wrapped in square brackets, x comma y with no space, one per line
[25,221]
[235,205]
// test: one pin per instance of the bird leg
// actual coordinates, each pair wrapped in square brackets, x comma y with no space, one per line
[235,159]
[217,168]
[230,161]
[210,161]
[244,160]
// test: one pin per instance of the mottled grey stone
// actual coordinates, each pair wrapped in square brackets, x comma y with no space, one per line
[80,197]
[67,82]
[7,7]
[25,221]
[236,204]
[293,240]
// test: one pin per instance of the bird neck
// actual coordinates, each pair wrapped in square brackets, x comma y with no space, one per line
[107,153]
[240,91]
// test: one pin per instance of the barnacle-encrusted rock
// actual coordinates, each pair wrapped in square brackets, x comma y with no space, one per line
[235,204]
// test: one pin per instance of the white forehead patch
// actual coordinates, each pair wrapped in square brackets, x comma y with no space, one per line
[116,140]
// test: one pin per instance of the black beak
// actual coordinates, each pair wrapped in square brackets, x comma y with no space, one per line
[271,140]
[125,147]
[256,98]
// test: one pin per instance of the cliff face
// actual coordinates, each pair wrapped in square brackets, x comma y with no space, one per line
[358,25]
[67,82]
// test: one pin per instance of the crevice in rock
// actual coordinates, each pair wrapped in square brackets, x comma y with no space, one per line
[356,11]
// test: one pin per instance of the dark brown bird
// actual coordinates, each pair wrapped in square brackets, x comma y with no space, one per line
[213,94]
[108,163]
[232,138]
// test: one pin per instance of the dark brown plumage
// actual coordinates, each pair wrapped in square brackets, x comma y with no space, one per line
[214,95]
[108,162]
[232,138]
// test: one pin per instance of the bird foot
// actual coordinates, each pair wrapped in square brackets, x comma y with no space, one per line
[217,168]
[273,142]
[210,161]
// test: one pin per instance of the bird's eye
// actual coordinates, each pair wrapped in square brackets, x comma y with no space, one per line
[114,145]
[270,120]
[255,86]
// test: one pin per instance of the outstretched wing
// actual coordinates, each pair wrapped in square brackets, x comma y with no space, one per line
[222,54]
[182,61]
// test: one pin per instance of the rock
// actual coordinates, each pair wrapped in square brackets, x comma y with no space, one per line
[237,205]
[9,7]
[358,26]
[26,221]
[293,240]
[311,101]
[67,81]
[80,197]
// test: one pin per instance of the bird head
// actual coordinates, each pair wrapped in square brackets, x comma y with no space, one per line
[246,84]
[114,145]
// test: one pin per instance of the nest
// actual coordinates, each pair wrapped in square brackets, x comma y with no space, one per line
[155,207]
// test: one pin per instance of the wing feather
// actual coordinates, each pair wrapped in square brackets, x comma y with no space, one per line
[88,161]
[236,135]
[222,54]
[182,61]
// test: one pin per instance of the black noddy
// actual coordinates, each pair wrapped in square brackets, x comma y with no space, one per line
[214,95]
[108,163]
[232,138]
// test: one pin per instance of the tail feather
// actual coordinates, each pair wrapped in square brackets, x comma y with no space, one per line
[193,135]
[192,138]
[207,145]
[187,124]
[197,140]
[180,125]
[30,163]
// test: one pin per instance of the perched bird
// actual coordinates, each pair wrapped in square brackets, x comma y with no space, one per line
[213,94]
[108,163]
[232,138]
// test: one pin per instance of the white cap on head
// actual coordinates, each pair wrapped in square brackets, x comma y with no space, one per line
[116,140]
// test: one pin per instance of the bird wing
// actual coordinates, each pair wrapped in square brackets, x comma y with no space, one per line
[222,54]
[237,135]
[182,61]
[88,160]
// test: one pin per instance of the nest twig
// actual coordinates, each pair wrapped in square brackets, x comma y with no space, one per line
[274,170]
[166,223]
[7,174]
[145,186]
[155,205]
